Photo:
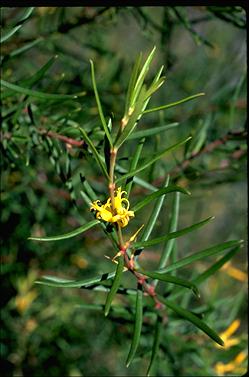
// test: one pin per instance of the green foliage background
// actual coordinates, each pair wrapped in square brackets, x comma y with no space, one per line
[203,50]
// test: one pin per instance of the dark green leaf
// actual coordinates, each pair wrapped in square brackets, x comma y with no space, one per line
[156,344]
[172,235]
[152,131]
[168,247]
[171,279]
[95,153]
[200,255]
[133,164]
[193,319]
[154,215]
[152,160]
[115,285]
[74,233]
[102,118]
[216,266]
[156,194]
[54,281]
[35,93]
[137,326]
[9,34]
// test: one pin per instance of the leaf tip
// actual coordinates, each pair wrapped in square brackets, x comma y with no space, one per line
[128,363]
[220,342]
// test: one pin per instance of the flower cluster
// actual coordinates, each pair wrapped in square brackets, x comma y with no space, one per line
[120,214]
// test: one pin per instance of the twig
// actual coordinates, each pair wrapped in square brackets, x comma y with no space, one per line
[210,147]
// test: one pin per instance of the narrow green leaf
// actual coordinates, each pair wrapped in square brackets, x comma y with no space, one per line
[156,344]
[209,272]
[137,326]
[193,319]
[74,233]
[102,118]
[90,192]
[172,235]
[22,49]
[35,93]
[9,34]
[98,307]
[86,198]
[156,194]
[216,266]
[168,247]
[163,107]
[141,182]
[133,165]
[152,160]
[154,215]
[54,281]
[141,77]
[133,119]
[40,73]
[152,131]
[200,255]
[115,285]
[95,153]
[171,279]
[132,82]
[154,87]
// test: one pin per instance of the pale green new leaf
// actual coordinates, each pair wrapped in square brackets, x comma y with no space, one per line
[164,107]
[141,77]
[133,119]
[132,82]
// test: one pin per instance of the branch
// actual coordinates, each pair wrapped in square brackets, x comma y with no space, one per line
[210,147]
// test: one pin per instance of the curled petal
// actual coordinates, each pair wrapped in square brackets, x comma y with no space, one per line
[119,214]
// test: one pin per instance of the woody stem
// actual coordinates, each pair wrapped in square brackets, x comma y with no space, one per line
[148,288]
[113,155]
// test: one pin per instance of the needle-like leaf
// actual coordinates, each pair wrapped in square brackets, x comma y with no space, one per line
[74,233]
[137,326]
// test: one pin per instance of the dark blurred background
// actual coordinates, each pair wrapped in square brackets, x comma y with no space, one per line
[203,49]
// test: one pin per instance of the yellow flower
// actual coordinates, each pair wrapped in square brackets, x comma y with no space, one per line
[234,365]
[226,335]
[235,272]
[119,214]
